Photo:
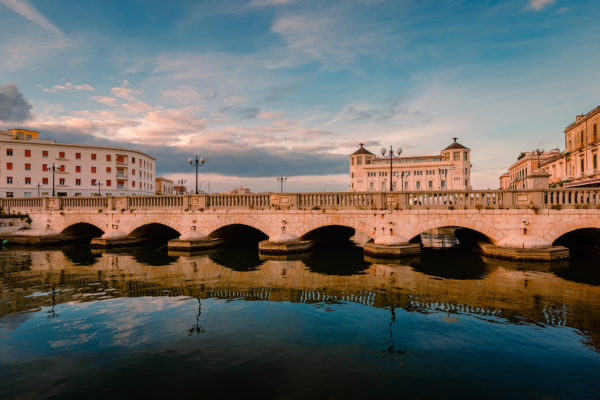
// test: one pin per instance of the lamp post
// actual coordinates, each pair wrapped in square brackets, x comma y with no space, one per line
[197,162]
[391,155]
[538,153]
[99,184]
[54,168]
[38,188]
[281,179]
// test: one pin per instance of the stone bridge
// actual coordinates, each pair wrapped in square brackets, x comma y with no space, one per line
[517,224]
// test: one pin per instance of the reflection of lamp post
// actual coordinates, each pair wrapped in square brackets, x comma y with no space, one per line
[197,328]
[391,155]
[281,179]
[54,168]
[198,162]
[99,184]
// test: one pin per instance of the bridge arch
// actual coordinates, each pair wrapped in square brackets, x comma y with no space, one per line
[82,229]
[362,231]
[474,224]
[239,233]
[564,228]
[154,230]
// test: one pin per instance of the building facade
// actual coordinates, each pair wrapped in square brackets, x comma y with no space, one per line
[519,171]
[163,185]
[450,170]
[29,166]
[577,165]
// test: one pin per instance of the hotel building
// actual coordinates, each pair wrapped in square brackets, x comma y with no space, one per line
[450,170]
[26,168]
[516,177]
[577,166]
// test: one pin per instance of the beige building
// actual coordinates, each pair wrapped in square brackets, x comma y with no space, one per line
[26,168]
[577,166]
[450,170]
[163,185]
[520,170]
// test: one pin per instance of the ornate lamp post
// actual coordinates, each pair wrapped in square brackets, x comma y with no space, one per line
[38,188]
[281,179]
[54,168]
[99,184]
[197,162]
[390,154]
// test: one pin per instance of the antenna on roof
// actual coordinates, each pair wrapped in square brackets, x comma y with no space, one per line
[361,145]
[455,139]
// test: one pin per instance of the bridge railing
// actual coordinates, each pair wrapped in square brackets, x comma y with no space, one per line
[422,200]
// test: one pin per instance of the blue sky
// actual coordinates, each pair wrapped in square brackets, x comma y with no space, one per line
[268,87]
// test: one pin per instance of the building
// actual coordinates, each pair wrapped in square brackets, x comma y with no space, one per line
[577,165]
[527,162]
[29,166]
[240,190]
[450,170]
[163,185]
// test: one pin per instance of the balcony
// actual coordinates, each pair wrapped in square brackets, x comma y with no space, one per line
[122,175]
[122,163]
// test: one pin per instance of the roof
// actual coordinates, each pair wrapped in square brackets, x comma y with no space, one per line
[455,145]
[362,150]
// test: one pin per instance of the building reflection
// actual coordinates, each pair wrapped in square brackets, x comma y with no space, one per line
[494,290]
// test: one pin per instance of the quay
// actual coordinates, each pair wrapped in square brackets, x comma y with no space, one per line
[518,224]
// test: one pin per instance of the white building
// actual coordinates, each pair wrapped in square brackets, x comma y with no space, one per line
[163,185]
[79,170]
[450,170]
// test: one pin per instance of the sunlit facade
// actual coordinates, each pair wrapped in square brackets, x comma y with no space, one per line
[449,170]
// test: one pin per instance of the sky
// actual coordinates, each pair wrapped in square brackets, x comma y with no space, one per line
[267,88]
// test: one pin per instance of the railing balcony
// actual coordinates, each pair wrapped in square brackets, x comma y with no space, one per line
[122,163]
[121,175]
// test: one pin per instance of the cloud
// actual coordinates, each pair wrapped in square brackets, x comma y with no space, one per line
[184,94]
[24,9]
[13,106]
[109,101]
[249,112]
[68,86]
[125,91]
[538,5]
[265,3]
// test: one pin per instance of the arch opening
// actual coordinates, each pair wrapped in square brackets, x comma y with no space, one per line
[82,230]
[238,234]
[331,235]
[451,237]
[585,241]
[154,231]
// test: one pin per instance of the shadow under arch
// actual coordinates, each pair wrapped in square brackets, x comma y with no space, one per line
[83,230]
[448,259]
[238,234]
[154,231]
[334,252]
[580,241]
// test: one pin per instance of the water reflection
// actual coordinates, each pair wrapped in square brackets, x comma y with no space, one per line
[430,310]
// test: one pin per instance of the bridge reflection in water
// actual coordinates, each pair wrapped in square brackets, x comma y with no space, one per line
[501,291]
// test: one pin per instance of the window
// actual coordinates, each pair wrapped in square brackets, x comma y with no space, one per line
[582,166]
[61,154]
[133,160]
[62,168]
[595,130]
[28,180]
[78,156]
[93,182]
[93,156]
[595,162]
[581,137]
[61,181]
[9,152]
[27,167]
[430,184]
[456,156]
[45,153]
[44,167]
[93,170]
[108,182]
[358,160]
[466,171]
[77,182]
[443,184]
[44,181]
[9,166]
[133,172]
[133,184]
[78,168]
[10,194]
[9,180]
[108,157]
[27,153]
[465,156]
[418,185]
[108,169]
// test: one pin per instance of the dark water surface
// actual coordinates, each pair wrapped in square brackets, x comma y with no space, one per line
[330,325]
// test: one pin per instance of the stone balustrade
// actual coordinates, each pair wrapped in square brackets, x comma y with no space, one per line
[423,200]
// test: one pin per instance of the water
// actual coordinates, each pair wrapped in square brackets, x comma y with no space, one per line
[228,323]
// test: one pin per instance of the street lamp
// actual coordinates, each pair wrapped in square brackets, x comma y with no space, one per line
[391,155]
[538,153]
[99,184]
[281,179]
[54,168]
[38,188]
[198,162]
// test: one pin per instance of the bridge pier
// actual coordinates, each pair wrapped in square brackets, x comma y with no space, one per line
[284,243]
[190,244]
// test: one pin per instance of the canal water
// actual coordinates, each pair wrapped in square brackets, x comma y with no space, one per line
[331,325]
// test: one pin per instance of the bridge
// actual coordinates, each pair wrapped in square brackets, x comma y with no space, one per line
[521,224]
